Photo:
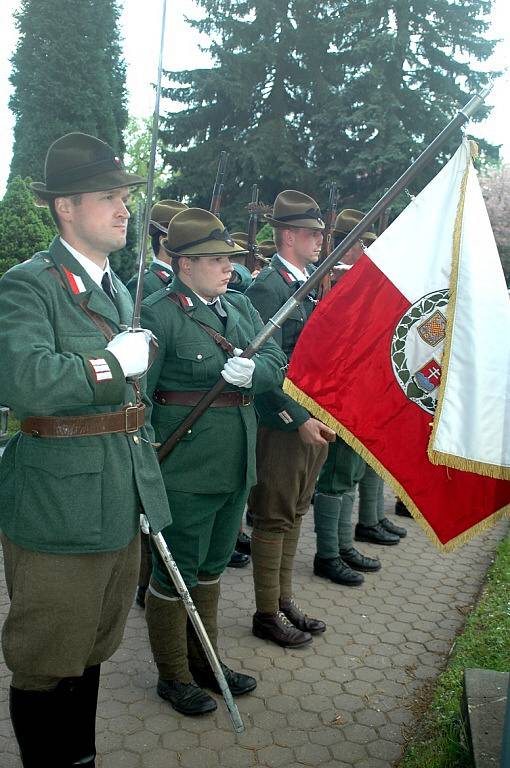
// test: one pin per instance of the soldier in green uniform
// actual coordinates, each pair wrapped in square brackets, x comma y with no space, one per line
[74,479]
[291,444]
[200,328]
[159,273]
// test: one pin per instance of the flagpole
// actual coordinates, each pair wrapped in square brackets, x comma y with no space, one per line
[323,269]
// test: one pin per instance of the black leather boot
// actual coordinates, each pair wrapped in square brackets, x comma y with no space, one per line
[36,718]
[337,571]
[82,709]
[58,727]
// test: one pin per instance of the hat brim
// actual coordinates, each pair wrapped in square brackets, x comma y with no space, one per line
[295,224]
[101,183]
[212,248]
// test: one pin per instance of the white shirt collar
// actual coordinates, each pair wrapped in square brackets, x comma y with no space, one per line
[163,264]
[294,271]
[216,303]
[93,271]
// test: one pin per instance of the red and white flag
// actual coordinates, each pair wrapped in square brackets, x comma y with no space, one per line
[408,359]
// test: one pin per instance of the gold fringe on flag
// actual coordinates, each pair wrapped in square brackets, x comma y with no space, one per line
[320,413]
[438,457]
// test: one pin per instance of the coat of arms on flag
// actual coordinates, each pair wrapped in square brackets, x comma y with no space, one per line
[418,332]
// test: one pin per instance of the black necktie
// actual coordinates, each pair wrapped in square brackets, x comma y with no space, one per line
[106,285]
[214,308]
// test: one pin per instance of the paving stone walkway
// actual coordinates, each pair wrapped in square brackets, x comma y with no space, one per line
[347,700]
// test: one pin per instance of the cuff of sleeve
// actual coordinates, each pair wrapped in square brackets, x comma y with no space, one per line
[106,377]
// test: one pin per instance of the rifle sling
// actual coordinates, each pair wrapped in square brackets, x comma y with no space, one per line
[220,340]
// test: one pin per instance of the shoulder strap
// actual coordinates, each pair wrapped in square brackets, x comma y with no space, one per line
[220,340]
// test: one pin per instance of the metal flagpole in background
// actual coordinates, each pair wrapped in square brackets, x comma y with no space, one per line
[157,538]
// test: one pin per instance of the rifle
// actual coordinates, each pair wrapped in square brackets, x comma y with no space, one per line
[253,249]
[215,206]
[323,269]
[327,242]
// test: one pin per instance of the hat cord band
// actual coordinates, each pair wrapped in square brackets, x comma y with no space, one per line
[311,213]
[80,172]
[216,234]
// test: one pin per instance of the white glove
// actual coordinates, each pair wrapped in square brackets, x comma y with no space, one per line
[131,348]
[144,525]
[238,370]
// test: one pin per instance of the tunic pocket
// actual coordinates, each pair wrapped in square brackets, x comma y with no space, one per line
[59,499]
[197,361]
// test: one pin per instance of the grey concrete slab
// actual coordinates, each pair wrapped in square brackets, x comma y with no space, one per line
[346,700]
[484,708]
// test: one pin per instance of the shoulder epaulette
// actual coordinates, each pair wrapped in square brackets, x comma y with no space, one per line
[38,263]
[265,274]
[153,298]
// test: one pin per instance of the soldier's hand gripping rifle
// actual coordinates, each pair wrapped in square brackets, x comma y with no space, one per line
[157,538]
[215,206]
[327,242]
[253,249]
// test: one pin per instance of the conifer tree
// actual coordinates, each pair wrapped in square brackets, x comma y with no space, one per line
[270,59]
[307,91]
[409,68]
[25,227]
[68,75]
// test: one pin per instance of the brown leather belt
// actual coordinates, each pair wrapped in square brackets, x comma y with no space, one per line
[129,419]
[224,400]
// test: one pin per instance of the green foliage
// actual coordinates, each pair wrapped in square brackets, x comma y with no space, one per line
[265,233]
[407,72]
[483,644]
[25,227]
[123,262]
[302,93]
[68,75]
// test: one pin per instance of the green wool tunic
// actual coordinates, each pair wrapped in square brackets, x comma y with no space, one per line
[218,453]
[269,291]
[71,494]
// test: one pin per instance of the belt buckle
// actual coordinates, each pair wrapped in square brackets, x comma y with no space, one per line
[130,409]
[245,399]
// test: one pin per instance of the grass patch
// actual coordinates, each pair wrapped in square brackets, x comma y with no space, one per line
[12,425]
[441,742]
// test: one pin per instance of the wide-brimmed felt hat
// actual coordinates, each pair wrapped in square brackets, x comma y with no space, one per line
[295,209]
[267,248]
[162,214]
[78,163]
[196,232]
[241,238]
[347,220]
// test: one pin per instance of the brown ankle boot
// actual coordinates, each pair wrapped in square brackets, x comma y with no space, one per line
[277,628]
[295,615]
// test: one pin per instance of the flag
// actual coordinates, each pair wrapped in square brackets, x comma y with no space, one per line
[408,359]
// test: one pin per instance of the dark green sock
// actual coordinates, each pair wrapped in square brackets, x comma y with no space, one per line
[345,538]
[326,513]
[368,492]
